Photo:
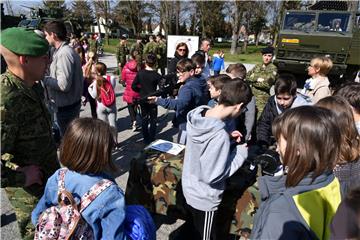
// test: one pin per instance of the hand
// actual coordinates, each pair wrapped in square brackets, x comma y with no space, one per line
[33,175]
[152,99]
[236,135]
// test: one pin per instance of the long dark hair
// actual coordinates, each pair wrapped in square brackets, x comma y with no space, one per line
[313,142]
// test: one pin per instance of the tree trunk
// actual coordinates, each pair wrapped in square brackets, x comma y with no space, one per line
[177,15]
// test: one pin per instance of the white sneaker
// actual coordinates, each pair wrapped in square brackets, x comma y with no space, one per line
[134,127]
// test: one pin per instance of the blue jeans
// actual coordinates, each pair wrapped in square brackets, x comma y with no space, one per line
[66,114]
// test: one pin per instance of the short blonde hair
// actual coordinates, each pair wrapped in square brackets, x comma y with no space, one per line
[323,63]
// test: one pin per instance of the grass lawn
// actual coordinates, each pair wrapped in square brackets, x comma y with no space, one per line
[253,54]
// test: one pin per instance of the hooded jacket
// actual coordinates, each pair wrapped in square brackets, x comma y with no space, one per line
[208,161]
[128,75]
[301,212]
[270,112]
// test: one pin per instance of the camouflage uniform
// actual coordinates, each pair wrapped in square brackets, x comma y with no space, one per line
[121,51]
[26,139]
[93,45]
[261,78]
[154,182]
[161,56]
[139,48]
[151,47]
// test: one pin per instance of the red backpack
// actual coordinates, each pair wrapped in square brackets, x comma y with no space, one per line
[107,94]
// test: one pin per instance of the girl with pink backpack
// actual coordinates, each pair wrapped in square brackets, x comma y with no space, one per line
[102,89]
[81,200]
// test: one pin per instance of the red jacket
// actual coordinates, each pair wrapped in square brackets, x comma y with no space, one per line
[128,75]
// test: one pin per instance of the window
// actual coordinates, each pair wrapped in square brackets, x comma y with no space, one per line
[333,22]
[299,21]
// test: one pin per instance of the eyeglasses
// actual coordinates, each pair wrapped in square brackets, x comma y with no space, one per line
[181,50]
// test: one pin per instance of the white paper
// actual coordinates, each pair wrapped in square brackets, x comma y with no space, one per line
[166,146]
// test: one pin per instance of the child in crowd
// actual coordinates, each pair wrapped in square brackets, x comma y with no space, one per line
[89,73]
[285,98]
[246,120]
[128,75]
[215,84]
[301,203]
[347,169]
[101,83]
[218,62]
[191,95]
[145,83]
[85,152]
[350,92]
[317,86]
[208,162]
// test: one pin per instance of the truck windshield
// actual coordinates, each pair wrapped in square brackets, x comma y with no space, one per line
[299,21]
[333,22]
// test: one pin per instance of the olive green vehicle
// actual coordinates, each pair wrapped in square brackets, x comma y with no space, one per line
[39,17]
[311,33]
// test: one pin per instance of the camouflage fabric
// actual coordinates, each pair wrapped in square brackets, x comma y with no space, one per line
[139,48]
[151,47]
[161,54]
[261,78]
[154,181]
[121,51]
[26,139]
[93,45]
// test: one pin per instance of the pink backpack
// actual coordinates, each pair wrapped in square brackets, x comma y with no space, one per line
[64,221]
[107,94]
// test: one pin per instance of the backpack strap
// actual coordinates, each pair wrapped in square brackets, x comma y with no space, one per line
[94,191]
[61,180]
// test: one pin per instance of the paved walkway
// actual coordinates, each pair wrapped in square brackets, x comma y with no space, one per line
[131,143]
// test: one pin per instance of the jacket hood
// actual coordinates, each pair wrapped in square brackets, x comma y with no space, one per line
[176,55]
[200,128]
[276,184]
[132,65]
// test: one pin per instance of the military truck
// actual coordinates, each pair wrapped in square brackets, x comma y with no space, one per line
[38,18]
[311,33]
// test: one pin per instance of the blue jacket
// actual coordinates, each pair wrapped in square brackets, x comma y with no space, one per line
[105,214]
[218,63]
[191,95]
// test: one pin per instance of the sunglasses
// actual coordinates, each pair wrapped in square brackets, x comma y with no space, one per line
[182,50]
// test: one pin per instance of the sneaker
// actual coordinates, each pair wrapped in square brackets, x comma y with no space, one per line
[134,127]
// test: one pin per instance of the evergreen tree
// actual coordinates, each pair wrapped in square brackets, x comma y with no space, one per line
[83,13]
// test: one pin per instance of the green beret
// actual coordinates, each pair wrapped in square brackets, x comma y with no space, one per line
[24,41]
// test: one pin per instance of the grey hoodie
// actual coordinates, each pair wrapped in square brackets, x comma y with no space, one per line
[208,161]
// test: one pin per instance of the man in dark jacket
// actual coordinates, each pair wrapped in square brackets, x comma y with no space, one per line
[285,98]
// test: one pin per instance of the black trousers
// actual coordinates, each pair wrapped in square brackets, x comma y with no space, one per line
[148,117]
[204,224]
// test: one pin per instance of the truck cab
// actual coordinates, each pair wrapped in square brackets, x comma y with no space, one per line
[308,34]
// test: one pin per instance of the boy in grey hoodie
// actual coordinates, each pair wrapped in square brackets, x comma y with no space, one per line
[208,160]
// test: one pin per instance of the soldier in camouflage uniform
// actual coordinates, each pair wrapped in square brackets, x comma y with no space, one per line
[28,151]
[161,56]
[139,48]
[151,47]
[121,52]
[93,45]
[262,78]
